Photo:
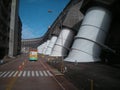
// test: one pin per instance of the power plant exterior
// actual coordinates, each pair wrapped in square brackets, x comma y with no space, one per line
[26,44]
[63,43]
[50,46]
[91,35]
[85,31]
[10,28]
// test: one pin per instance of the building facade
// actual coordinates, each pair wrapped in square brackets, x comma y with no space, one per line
[27,44]
[9,23]
[71,18]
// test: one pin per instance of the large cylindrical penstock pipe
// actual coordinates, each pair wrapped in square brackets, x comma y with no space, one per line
[41,48]
[92,33]
[51,45]
[45,48]
[63,42]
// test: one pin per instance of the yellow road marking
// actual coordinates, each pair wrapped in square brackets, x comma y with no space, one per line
[13,80]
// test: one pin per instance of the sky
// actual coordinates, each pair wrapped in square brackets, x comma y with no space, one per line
[36,18]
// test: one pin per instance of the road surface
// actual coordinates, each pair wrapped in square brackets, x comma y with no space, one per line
[22,74]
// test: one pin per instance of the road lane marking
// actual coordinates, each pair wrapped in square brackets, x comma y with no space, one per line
[20,73]
[37,74]
[12,82]
[41,74]
[28,74]
[45,73]
[6,74]
[2,74]
[33,73]
[24,73]
[49,73]
[15,74]
[11,74]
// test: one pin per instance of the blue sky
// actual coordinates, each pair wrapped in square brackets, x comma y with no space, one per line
[35,17]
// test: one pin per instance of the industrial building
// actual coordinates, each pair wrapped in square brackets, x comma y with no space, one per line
[10,28]
[27,44]
[86,31]
[85,34]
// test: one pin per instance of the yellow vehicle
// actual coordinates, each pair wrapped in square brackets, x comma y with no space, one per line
[33,55]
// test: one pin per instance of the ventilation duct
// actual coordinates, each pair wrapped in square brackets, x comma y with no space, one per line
[90,37]
[63,42]
[51,45]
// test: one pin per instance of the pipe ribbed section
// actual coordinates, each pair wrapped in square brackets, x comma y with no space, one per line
[92,33]
[63,42]
[51,45]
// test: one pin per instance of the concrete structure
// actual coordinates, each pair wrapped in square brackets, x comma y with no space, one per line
[91,36]
[51,45]
[26,44]
[45,47]
[72,16]
[13,28]
[10,24]
[18,39]
[40,48]
[63,43]
[4,28]
[69,26]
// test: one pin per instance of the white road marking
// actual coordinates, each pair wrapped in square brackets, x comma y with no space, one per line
[33,73]
[15,74]
[37,74]
[41,74]
[24,73]
[20,73]
[28,74]
[2,74]
[49,73]
[6,74]
[11,74]
[45,73]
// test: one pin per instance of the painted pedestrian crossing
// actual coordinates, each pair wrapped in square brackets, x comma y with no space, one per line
[44,73]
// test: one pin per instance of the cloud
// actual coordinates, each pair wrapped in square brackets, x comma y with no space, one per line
[27,32]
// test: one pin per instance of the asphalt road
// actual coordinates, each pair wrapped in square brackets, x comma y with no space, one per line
[22,74]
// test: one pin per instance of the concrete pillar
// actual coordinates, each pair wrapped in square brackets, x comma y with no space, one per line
[13,27]
[45,47]
[51,45]
[63,43]
[91,36]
